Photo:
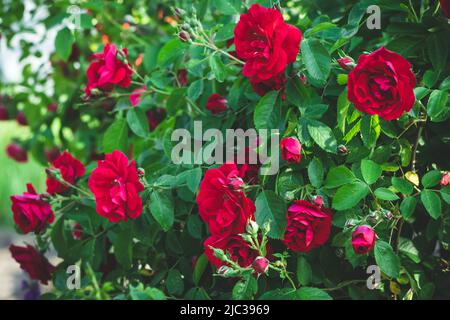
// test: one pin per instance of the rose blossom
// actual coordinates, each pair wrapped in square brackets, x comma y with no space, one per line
[33,262]
[291,149]
[116,186]
[363,239]
[260,265]
[70,169]
[135,96]
[239,250]
[265,42]
[445,179]
[107,70]
[382,83]
[154,117]
[17,152]
[30,212]
[216,103]
[308,226]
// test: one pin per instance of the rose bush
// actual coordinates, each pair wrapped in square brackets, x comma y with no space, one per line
[362,116]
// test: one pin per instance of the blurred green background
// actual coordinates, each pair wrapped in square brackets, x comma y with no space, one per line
[13,175]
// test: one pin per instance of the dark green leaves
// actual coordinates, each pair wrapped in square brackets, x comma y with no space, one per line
[386,259]
[338,176]
[161,206]
[402,185]
[315,172]
[265,116]
[316,59]
[245,289]
[137,121]
[432,203]
[322,135]
[385,194]
[217,67]
[270,207]
[349,195]
[308,293]
[115,137]
[63,43]
[370,170]
[431,178]
[437,103]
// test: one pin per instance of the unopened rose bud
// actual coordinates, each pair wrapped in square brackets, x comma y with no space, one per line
[260,265]
[140,172]
[218,253]
[388,214]
[184,36]
[318,201]
[363,239]
[21,119]
[445,179]
[342,150]
[252,227]
[52,107]
[179,12]
[346,63]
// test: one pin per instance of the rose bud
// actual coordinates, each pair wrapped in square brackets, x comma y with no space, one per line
[184,36]
[182,77]
[77,231]
[52,107]
[154,117]
[260,265]
[21,119]
[318,201]
[342,150]
[3,113]
[216,103]
[445,179]
[17,152]
[346,63]
[291,149]
[363,239]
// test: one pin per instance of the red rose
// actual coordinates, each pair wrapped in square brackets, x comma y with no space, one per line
[382,83]
[16,152]
[308,226]
[30,212]
[33,262]
[70,169]
[107,70]
[21,119]
[445,5]
[221,202]
[116,186]
[346,63]
[445,179]
[182,77]
[291,150]
[52,154]
[238,249]
[216,103]
[154,117]
[276,83]
[265,42]
[363,239]
[4,114]
[135,96]
[260,265]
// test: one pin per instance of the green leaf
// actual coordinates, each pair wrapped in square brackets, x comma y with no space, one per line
[245,289]
[322,135]
[407,248]
[386,259]
[437,103]
[445,193]
[402,185]
[316,60]
[437,51]
[225,33]
[170,51]
[194,226]
[339,176]
[309,293]
[431,178]
[270,207]
[264,116]
[432,203]
[279,294]
[342,109]
[116,136]
[123,247]
[349,195]
[227,7]
[63,43]
[195,89]
[217,67]
[161,206]
[174,282]
[370,130]
[315,172]
[385,194]
[407,207]
[193,178]
[137,121]
[200,266]
[370,170]
[304,271]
